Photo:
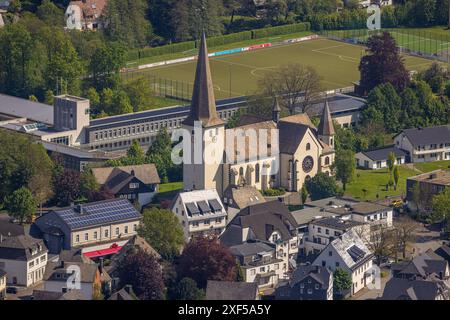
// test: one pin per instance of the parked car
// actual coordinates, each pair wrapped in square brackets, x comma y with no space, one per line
[11,290]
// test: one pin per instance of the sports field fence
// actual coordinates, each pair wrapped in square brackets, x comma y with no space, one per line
[415,42]
[162,87]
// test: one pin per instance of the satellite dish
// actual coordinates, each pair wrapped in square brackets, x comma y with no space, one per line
[73,17]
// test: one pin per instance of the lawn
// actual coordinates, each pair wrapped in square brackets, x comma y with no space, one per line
[177,55]
[238,74]
[431,166]
[374,181]
[171,186]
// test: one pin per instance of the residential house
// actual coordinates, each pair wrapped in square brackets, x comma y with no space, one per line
[376,215]
[99,228]
[412,289]
[63,276]
[430,184]
[200,212]
[23,258]
[136,183]
[2,284]
[378,158]
[124,294]
[425,144]
[303,218]
[444,252]
[230,290]
[85,14]
[308,282]
[52,296]
[259,263]
[323,231]
[269,222]
[238,197]
[422,267]
[350,253]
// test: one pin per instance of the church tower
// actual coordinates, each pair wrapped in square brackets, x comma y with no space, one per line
[326,129]
[207,131]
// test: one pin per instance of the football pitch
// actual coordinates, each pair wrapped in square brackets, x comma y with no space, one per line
[237,74]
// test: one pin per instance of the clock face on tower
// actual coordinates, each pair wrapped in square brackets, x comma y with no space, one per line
[308,164]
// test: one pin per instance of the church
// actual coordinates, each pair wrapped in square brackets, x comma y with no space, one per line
[293,151]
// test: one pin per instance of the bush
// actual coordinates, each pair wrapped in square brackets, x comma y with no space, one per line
[273,192]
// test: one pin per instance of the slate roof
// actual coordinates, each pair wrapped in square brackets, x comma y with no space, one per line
[338,103]
[429,135]
[98,213]
[360,208]
[345,246]
[88,271]
[321,274]
[199,204]
[403,289]
[115,178]
[203,105]
[422,265]
[332,202]
[230,290]
[243,196]
[250,249]
[263,219]
[21,248]
[326,127]
[307,215]
[336,223]
[291,134]
[383,153]
[124,294]
[50,295]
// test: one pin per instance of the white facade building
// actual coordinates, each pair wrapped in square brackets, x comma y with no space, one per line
[200,212]
[23,259]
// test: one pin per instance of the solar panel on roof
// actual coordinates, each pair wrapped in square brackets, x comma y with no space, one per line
[203,206]
[99,213]
[356,253]
[215,205]
[192,209]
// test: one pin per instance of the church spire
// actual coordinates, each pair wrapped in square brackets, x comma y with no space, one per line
[276,110]
[203,104]
[326,127]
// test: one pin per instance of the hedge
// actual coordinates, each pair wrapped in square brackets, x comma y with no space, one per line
[218,40]
[229,38]
[157,51]
[275,31]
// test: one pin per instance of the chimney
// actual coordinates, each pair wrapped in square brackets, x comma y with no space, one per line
[132,173]
[101,265]
[62,264]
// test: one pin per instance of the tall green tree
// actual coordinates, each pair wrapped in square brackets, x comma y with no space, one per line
[125,21]
[186,289]
[342,280]
[50,13]
[105,64]
[21,204]
[345,167]
[163,231]
[441,208]
[322,186]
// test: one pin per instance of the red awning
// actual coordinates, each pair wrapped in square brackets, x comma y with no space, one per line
[104,252]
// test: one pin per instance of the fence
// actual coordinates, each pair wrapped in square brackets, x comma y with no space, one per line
[416,42]
[168,88]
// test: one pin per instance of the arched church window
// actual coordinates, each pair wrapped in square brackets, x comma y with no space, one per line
[327,160]
[241,171]
[257,173]
[308,146]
